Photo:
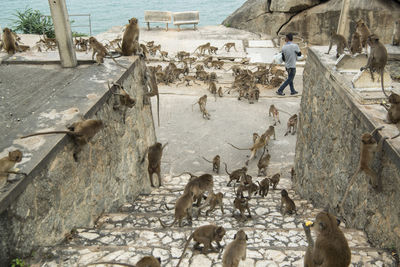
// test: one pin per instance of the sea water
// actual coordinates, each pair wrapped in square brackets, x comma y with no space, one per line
[108,13]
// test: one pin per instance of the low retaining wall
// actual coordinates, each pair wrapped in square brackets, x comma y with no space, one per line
[331,123]
[61,194]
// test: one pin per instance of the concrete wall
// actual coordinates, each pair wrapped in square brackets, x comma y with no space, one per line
[327,154]
[65,194]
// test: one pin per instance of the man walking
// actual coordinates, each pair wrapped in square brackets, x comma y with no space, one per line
[290,52]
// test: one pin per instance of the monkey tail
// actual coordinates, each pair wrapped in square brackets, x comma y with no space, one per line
[377,129]
[226,169]
[207,160]
[352,179]
[383,88]
[158,109]
[118,64]
[184,249]
[111,262]
[51,132]
[238,148]
[164,225]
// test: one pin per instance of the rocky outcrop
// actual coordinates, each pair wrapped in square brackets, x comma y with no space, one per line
[313,19]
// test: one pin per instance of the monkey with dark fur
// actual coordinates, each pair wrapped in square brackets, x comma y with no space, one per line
[183,207]
[236,174]
[216,162]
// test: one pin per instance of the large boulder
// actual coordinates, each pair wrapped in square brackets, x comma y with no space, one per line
[315,23]
[292,5]
[314,19]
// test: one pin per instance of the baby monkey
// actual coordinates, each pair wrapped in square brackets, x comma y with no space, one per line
[216,162]
[275,113]
[124,98]
[286,201]
[7,163]
[101,52]
[205,235]
[292,125]
[241,204]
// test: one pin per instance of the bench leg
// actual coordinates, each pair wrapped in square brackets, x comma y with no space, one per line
[179,28]
[194,27]
[148,26]
[167,26]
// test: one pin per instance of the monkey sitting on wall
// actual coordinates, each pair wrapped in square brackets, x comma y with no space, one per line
[7,163]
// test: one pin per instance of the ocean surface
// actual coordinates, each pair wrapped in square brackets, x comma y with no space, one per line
[108,13]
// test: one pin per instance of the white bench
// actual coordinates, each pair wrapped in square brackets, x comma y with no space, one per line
[158,17]
[187,17]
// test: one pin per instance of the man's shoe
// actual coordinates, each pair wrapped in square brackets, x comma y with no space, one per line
[279,93]
[294,93]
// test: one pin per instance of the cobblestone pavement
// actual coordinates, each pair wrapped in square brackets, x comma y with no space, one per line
[274,240]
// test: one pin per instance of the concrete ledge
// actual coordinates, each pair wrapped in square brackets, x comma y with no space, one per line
[60,194]
[331,122]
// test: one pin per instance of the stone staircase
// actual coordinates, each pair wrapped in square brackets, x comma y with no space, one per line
[274,240]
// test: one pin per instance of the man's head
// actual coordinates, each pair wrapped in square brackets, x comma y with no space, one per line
[289,37]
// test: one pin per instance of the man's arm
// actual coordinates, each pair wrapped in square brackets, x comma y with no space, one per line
[297,51]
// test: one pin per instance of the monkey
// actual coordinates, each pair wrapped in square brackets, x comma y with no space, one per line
[220,94]
[152,84]
[207,60]
[81,130]
[124,98]
[246,179]
[188,79]
[242,204]
[212,88]
[228,46]
[292,125]
[236,70]
[202,104]
[153,50]
[164,54]
[355,45]
[147,261]
[286,201]
[275,113]
[50,43]
[203,48]
[292,173]
[198,186]
[82,44]
[216,162]
[261,142]
[205,235]
[368,147]
[150,44]
[7,163]
[249,187]
[217,64]
[364,32]
[263,163]
[154,154]
[330,248]
[255,137]
[340,42]
[199,67]
[393,115]
[9,44]
[235,251]
[270,131]
[101,52]
[213,49]
[183,207]
[377,58]
[215,199]
[130,36]
[263,187]
[245,61]
[396,33]
[114,43]
[275,180]
[145,51]
[236,174]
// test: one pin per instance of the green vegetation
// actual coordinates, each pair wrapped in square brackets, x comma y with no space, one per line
[32,21]
[17,263]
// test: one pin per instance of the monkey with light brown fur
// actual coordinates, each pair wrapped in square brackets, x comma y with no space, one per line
[200,185]
[330,248]
[364,32]
[124,98]
[270,132]
[202,48]
[339,41]
[130,39]
[147,261]
[9,44]
[393,115]
[288,203]
[183,207]
[260,143]
[377,58]
[7,163]
[154,157]
[275,113]
[241,204]
[367,149]
[228,46]
[101,52]
[263,163]
[205,235]
[216,162]
[235,251]
[355,45]
[291,125]
[215,200]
